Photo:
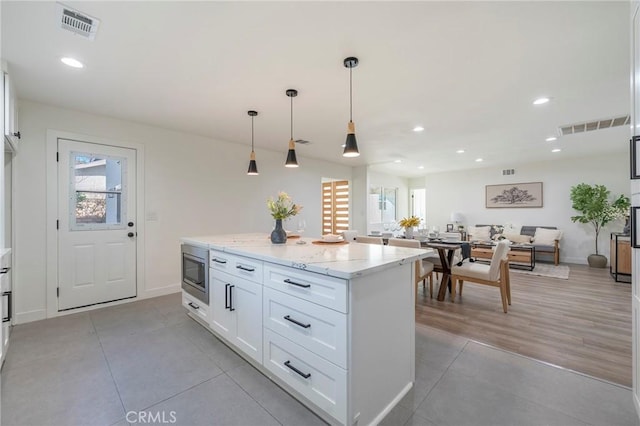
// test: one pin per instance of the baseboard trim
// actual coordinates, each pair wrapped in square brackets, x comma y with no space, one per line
[162,291]
[30,316]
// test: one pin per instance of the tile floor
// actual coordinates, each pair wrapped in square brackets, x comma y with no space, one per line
[149,357]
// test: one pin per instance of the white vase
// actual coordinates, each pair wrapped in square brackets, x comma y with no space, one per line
[408,232]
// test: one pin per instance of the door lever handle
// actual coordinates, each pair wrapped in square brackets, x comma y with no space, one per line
[130,234]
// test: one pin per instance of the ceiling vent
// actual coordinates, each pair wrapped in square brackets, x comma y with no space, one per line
[570,129]
[77,22]
[302,142]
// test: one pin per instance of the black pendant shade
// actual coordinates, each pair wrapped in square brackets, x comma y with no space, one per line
[253,166]
[292,161]
[351,146]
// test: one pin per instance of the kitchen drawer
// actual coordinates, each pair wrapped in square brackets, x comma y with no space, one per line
[320,289]
[238,266]
[321,330]
[196,307]
[323,383]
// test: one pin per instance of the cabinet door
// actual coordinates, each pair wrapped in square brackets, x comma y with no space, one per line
[222,318]
[247,302]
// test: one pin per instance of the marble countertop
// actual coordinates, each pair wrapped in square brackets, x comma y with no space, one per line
[338,260]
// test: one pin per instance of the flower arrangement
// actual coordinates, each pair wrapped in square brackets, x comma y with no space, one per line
[409,222]
[283,207]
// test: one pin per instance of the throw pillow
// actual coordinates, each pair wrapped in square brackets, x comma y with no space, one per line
[479,233]
[517,238]
[546,237]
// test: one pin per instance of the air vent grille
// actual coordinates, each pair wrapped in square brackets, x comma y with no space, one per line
[77,22]
[302,142]
[570,129]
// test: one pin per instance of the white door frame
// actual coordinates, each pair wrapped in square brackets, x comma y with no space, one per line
[52,216]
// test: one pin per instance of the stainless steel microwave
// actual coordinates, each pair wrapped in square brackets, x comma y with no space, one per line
[195,272]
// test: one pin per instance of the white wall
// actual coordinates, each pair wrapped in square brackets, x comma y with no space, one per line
[194,185]
[465,192]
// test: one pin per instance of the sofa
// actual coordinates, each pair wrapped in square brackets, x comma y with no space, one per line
[546,239]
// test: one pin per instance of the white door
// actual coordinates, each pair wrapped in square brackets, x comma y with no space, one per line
[96,223]
[222,317]
[247,302]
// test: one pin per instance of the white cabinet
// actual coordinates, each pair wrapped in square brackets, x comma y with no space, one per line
[342,346]
[236,311]
[11,132]
[196,307]
[5,303]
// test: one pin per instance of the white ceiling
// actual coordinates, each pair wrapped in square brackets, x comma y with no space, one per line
[466,71]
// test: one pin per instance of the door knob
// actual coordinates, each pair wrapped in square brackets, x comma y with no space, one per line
[130,224]
[130,234]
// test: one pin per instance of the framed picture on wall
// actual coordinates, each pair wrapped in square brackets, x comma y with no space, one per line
[449,227]
[514,195]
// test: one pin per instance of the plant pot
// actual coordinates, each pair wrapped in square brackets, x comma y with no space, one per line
[597,261]
[408,232]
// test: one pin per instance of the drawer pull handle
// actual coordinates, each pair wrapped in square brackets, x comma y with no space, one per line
[288,281]
[215,259]
[288,318]
[291,367]
[194,306]
[226,296]
[245,269]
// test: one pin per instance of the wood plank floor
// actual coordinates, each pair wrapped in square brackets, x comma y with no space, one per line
[583,323]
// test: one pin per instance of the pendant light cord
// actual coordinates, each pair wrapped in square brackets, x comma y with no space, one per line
[350,94]
[292,118]
[251,133]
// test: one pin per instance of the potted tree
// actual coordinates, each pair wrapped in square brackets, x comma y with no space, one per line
[595,207]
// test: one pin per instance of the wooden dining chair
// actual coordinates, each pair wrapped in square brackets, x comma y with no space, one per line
[495,274]
[423,268]
[368,240]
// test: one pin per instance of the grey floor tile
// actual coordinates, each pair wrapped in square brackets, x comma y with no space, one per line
[460,400]
[277,402]
[398,416]
[220,353]
[416,420]
[126,319]
[218,401]
[170,307]
[437,347]
[428,373]
[30,348]
[588,399]
[75,389]
[122,422]
[152,366]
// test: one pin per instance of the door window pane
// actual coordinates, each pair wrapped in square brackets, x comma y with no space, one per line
[97,192]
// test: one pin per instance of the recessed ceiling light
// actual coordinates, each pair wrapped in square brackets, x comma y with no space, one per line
[460,151]
[74,63]
[478,160]
[418,129]
[556,150]
[397,161]
[541,101]
[551,139]
[421,167]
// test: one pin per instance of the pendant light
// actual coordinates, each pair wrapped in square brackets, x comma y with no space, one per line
[253,167]
[351,146]
[292,161]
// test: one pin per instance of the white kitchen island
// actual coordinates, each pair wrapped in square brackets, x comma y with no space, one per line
[332,324]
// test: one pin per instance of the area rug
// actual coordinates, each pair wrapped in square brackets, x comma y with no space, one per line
[546,270]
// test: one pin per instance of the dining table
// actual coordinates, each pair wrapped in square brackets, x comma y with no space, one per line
[445,252]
